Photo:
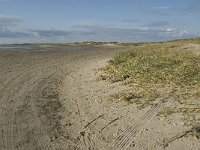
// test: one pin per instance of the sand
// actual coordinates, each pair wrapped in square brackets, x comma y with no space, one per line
[51,98]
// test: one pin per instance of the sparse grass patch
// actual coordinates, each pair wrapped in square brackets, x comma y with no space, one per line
[126,97]
[165,112]
[156,69]
[155,66]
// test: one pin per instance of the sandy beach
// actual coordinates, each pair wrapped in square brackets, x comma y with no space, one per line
[51,98]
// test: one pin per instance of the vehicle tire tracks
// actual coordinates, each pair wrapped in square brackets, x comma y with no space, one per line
[12,132]
[127,136]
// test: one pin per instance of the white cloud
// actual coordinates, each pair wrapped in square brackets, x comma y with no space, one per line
[158,24]
[182,33]
[9,20]
[115,31]
[169,30]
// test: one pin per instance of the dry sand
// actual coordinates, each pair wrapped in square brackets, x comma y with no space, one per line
[51,99]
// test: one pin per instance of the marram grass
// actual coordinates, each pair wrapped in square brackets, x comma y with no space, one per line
[151,65]
[154,70]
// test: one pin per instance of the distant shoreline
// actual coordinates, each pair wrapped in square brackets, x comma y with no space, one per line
[95,43]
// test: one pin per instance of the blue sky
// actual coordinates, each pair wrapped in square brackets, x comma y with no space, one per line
[37,21]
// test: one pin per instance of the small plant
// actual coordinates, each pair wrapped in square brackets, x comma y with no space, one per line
[126,97]
[166,112]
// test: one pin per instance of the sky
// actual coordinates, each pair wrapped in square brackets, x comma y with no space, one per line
[58,21]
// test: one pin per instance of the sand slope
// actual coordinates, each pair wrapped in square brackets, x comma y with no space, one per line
[53,100]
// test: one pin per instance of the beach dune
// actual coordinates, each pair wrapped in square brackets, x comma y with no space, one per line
[51,98]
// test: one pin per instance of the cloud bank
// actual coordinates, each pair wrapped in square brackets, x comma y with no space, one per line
[130,30]
[9,20]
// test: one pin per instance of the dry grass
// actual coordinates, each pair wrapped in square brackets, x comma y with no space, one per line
[156,69]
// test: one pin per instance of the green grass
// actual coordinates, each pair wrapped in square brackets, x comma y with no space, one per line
[155,65]
[156,69]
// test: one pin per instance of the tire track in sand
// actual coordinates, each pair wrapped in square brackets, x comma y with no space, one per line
[11,130]
[127,136]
